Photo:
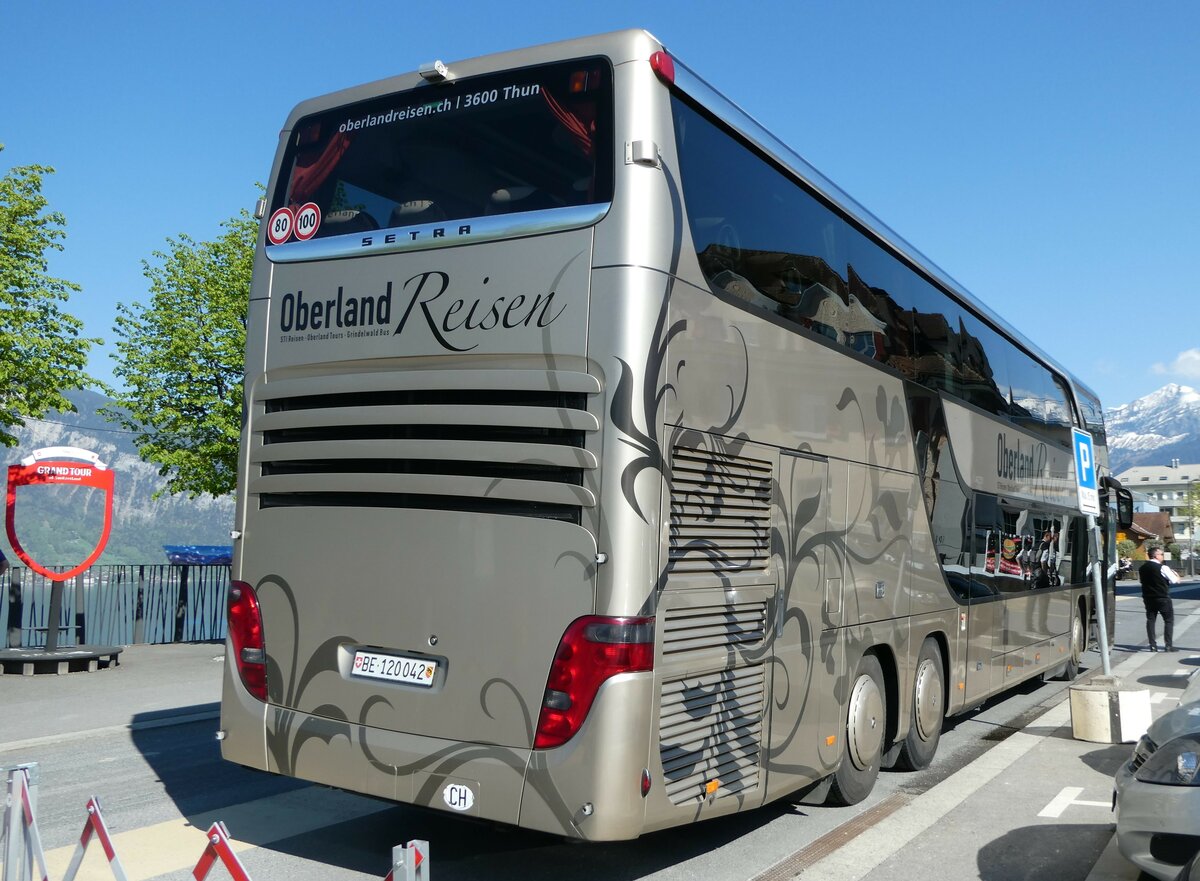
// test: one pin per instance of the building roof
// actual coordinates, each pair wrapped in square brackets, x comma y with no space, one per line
[1158,524]
[1143,476]
[1138,532]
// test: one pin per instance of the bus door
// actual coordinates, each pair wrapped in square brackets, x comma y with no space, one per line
[804,703]
[986,621]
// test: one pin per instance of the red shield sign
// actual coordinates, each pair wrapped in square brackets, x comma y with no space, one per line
[40,469]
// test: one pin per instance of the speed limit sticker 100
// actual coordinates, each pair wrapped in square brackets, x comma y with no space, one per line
[303,223]
[308,221]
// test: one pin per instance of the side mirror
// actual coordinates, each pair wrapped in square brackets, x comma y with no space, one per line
[1124,508]
[1121,499]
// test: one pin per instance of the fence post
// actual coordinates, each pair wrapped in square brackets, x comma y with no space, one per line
[80,622]
[139,613]
[14,608]
[181,605]
[56,592]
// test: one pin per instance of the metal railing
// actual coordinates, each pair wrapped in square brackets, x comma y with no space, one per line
[117,605]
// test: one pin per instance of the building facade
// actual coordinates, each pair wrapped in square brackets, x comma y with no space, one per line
[1175,490]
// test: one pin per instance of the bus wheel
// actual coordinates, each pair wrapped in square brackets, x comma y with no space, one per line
[928,711]
[1075,649]
[866,726]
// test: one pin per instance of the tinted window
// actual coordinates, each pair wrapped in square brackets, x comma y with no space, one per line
[522,140]
[1093,415]
[762,238]
[766,240]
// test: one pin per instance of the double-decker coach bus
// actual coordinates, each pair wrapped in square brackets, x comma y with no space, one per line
[606,468]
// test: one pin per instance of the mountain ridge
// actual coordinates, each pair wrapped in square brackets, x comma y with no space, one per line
[1155,429]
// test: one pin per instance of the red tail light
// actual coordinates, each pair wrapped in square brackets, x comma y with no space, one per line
[592,650]
[246,637]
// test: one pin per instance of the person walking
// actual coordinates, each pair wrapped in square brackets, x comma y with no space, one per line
[1157,578]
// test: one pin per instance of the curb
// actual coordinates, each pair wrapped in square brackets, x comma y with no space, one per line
[162,721]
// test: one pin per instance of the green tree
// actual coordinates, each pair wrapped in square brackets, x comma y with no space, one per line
[41,351]
[181,357]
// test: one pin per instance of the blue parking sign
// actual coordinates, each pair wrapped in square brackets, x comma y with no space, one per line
[1085,472]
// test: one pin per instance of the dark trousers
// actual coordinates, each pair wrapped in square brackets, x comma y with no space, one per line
[1160,606]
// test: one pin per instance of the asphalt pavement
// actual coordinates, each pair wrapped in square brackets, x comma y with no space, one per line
[1036,805]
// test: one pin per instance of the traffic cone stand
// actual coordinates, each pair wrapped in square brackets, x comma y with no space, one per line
[22,829]
[218,848]
[94,825]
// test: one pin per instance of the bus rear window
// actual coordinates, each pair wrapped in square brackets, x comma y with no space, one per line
[524,140]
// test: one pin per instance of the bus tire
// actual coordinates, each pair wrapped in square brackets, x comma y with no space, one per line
[864,732]
[928,711]
[1075,647]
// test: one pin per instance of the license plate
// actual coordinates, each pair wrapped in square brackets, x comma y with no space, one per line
[394,668]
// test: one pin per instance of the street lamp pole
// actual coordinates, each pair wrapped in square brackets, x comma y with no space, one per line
[1190,501]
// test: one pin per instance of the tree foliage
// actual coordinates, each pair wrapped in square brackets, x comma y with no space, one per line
[181,357]
[41,350]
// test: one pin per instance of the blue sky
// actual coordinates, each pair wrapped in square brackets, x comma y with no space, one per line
[1043,153]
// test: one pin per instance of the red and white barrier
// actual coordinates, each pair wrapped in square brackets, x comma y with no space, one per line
[23,844]
[218,848]
[94,826]
[410,863]
[22,828]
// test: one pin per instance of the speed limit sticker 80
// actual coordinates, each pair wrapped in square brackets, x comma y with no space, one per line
[302,222]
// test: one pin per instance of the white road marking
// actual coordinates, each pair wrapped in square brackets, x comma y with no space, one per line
[1067,797]
[1158,697]
[871,848]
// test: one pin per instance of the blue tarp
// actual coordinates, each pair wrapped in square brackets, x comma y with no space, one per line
[200,555]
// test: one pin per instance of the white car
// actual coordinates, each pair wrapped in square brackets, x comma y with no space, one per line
[1158,791]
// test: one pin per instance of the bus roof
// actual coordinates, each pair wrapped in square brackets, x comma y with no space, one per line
[635,45]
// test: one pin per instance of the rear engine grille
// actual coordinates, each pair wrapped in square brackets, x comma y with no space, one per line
[720,512]
[710,733]
[500,442]
[724,627]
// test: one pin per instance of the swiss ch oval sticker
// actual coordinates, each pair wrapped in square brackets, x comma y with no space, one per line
[52,467]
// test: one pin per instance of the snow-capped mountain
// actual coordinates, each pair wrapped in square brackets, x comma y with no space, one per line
[1153,430]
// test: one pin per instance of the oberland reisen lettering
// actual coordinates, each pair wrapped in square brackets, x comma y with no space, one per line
[427,299]
[1020,464]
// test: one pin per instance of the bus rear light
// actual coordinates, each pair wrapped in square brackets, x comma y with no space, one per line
[664,66]
[246,638]
[592,650]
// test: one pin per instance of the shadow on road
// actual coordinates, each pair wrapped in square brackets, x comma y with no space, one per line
[466,850]
[1041,852]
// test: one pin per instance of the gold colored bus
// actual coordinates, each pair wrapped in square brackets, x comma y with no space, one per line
[606,468]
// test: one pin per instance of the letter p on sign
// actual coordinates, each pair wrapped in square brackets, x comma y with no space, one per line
[1085,472]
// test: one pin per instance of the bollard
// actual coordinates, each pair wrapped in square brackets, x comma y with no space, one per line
[1104,712]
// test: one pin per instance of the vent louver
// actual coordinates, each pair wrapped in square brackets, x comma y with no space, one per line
[704,628]
[507,442]
[720,512]
[710,732]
